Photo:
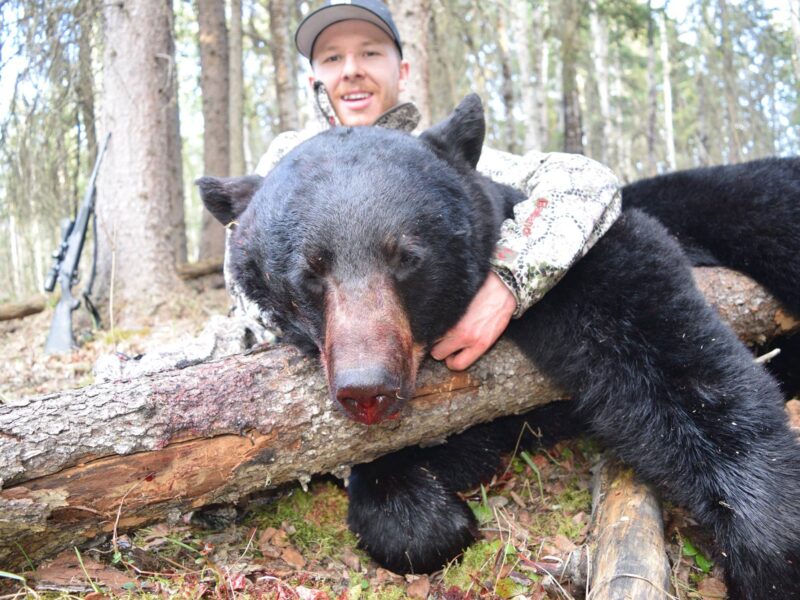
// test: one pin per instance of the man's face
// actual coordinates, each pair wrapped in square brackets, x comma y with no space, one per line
[361,69]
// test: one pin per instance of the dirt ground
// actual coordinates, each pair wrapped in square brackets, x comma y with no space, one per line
[293,543]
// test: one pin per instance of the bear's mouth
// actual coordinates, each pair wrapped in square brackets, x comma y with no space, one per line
[371,409]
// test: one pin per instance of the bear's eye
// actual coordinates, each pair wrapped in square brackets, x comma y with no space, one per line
[313,284]
[404,258]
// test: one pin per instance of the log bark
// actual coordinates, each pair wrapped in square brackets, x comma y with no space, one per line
[76,464]
[630,556]
[17,310]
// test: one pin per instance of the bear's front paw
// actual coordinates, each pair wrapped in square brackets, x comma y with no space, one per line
[406,519]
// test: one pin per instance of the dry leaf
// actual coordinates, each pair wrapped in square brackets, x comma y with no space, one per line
[293,558]
[419,588]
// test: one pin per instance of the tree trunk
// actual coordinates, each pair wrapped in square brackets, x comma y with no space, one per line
[541,20]
[652,97]
[729,82]
[85,85]
[172,441]
[213,44]
[573,125]
[413,20]
[236,91]
[285,76]
[669,130]
[600,62]
[510,133]
[794,10]
[140,199]
[522,29]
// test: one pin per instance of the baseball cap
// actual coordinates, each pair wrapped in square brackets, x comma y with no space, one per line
[333,11]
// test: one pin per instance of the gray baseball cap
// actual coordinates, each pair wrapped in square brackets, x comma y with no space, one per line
[333,11]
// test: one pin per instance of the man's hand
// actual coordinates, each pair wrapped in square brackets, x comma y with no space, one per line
[485,320]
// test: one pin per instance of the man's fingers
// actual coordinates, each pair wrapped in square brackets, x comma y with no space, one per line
[446,346]
[465,358]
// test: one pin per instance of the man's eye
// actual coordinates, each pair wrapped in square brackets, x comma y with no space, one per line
[371,53]
[332,58]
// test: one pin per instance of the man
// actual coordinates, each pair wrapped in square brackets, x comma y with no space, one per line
[358,74]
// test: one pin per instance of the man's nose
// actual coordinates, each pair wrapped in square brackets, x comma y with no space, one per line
[352,67]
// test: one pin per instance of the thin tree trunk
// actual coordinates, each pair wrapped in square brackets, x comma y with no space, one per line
[85,85]
[213,44]
[794,10]
[652,95]
[541,20]
[507,80]
[573,122]
[729,82]
[413,19]
[666,67]
[140,188]
[285,76]
[236,91]
[522,30]
[600,60]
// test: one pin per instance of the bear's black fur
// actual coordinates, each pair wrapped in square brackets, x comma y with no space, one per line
[366,230]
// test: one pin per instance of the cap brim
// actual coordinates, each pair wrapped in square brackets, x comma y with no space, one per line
[316,22]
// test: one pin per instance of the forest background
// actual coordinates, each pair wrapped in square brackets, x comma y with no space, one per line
[201,87]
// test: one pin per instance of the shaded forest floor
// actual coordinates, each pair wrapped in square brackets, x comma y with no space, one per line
[294,543]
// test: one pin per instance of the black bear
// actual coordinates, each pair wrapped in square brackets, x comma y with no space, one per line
[367,244]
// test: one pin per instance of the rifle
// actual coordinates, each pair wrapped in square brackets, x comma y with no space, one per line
[65,267]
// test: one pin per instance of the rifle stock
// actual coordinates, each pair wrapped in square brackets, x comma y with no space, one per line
[65,267]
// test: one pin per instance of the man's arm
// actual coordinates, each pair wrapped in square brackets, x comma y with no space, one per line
[572,201]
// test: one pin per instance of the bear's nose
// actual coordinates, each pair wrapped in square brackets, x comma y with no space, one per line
[368,395]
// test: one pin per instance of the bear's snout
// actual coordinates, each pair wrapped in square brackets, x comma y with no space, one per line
[368,394]
[369,355]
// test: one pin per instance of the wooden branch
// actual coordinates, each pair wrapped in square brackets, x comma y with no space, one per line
[17,310]
[629,558]
[200,268]
[167,443]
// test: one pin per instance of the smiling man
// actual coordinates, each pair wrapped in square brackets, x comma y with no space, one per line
[356,56]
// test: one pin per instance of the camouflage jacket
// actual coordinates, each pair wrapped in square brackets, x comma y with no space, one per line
[572,201]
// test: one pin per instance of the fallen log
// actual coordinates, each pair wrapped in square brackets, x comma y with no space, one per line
[117,455]
[629,558]
[18,310]
[201,268]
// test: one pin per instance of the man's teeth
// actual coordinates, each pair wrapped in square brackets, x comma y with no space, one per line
[356,96]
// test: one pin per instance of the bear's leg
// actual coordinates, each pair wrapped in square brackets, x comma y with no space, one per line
[671,390]
[403,506]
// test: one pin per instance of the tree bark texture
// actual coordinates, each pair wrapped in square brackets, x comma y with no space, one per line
[413,22]
[154,447]
[282,51]
[214,73]
[140,225]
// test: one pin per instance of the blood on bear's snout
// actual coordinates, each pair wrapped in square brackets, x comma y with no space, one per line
[369,354]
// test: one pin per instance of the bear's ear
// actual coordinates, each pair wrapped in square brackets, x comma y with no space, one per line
[459,138]
[227,197]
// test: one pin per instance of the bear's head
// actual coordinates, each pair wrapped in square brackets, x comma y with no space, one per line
[366,245]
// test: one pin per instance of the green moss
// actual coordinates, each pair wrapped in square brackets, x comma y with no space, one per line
[477,564]
[318,518]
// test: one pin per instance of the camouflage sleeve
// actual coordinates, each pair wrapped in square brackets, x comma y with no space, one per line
[278,148]
[572,201]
